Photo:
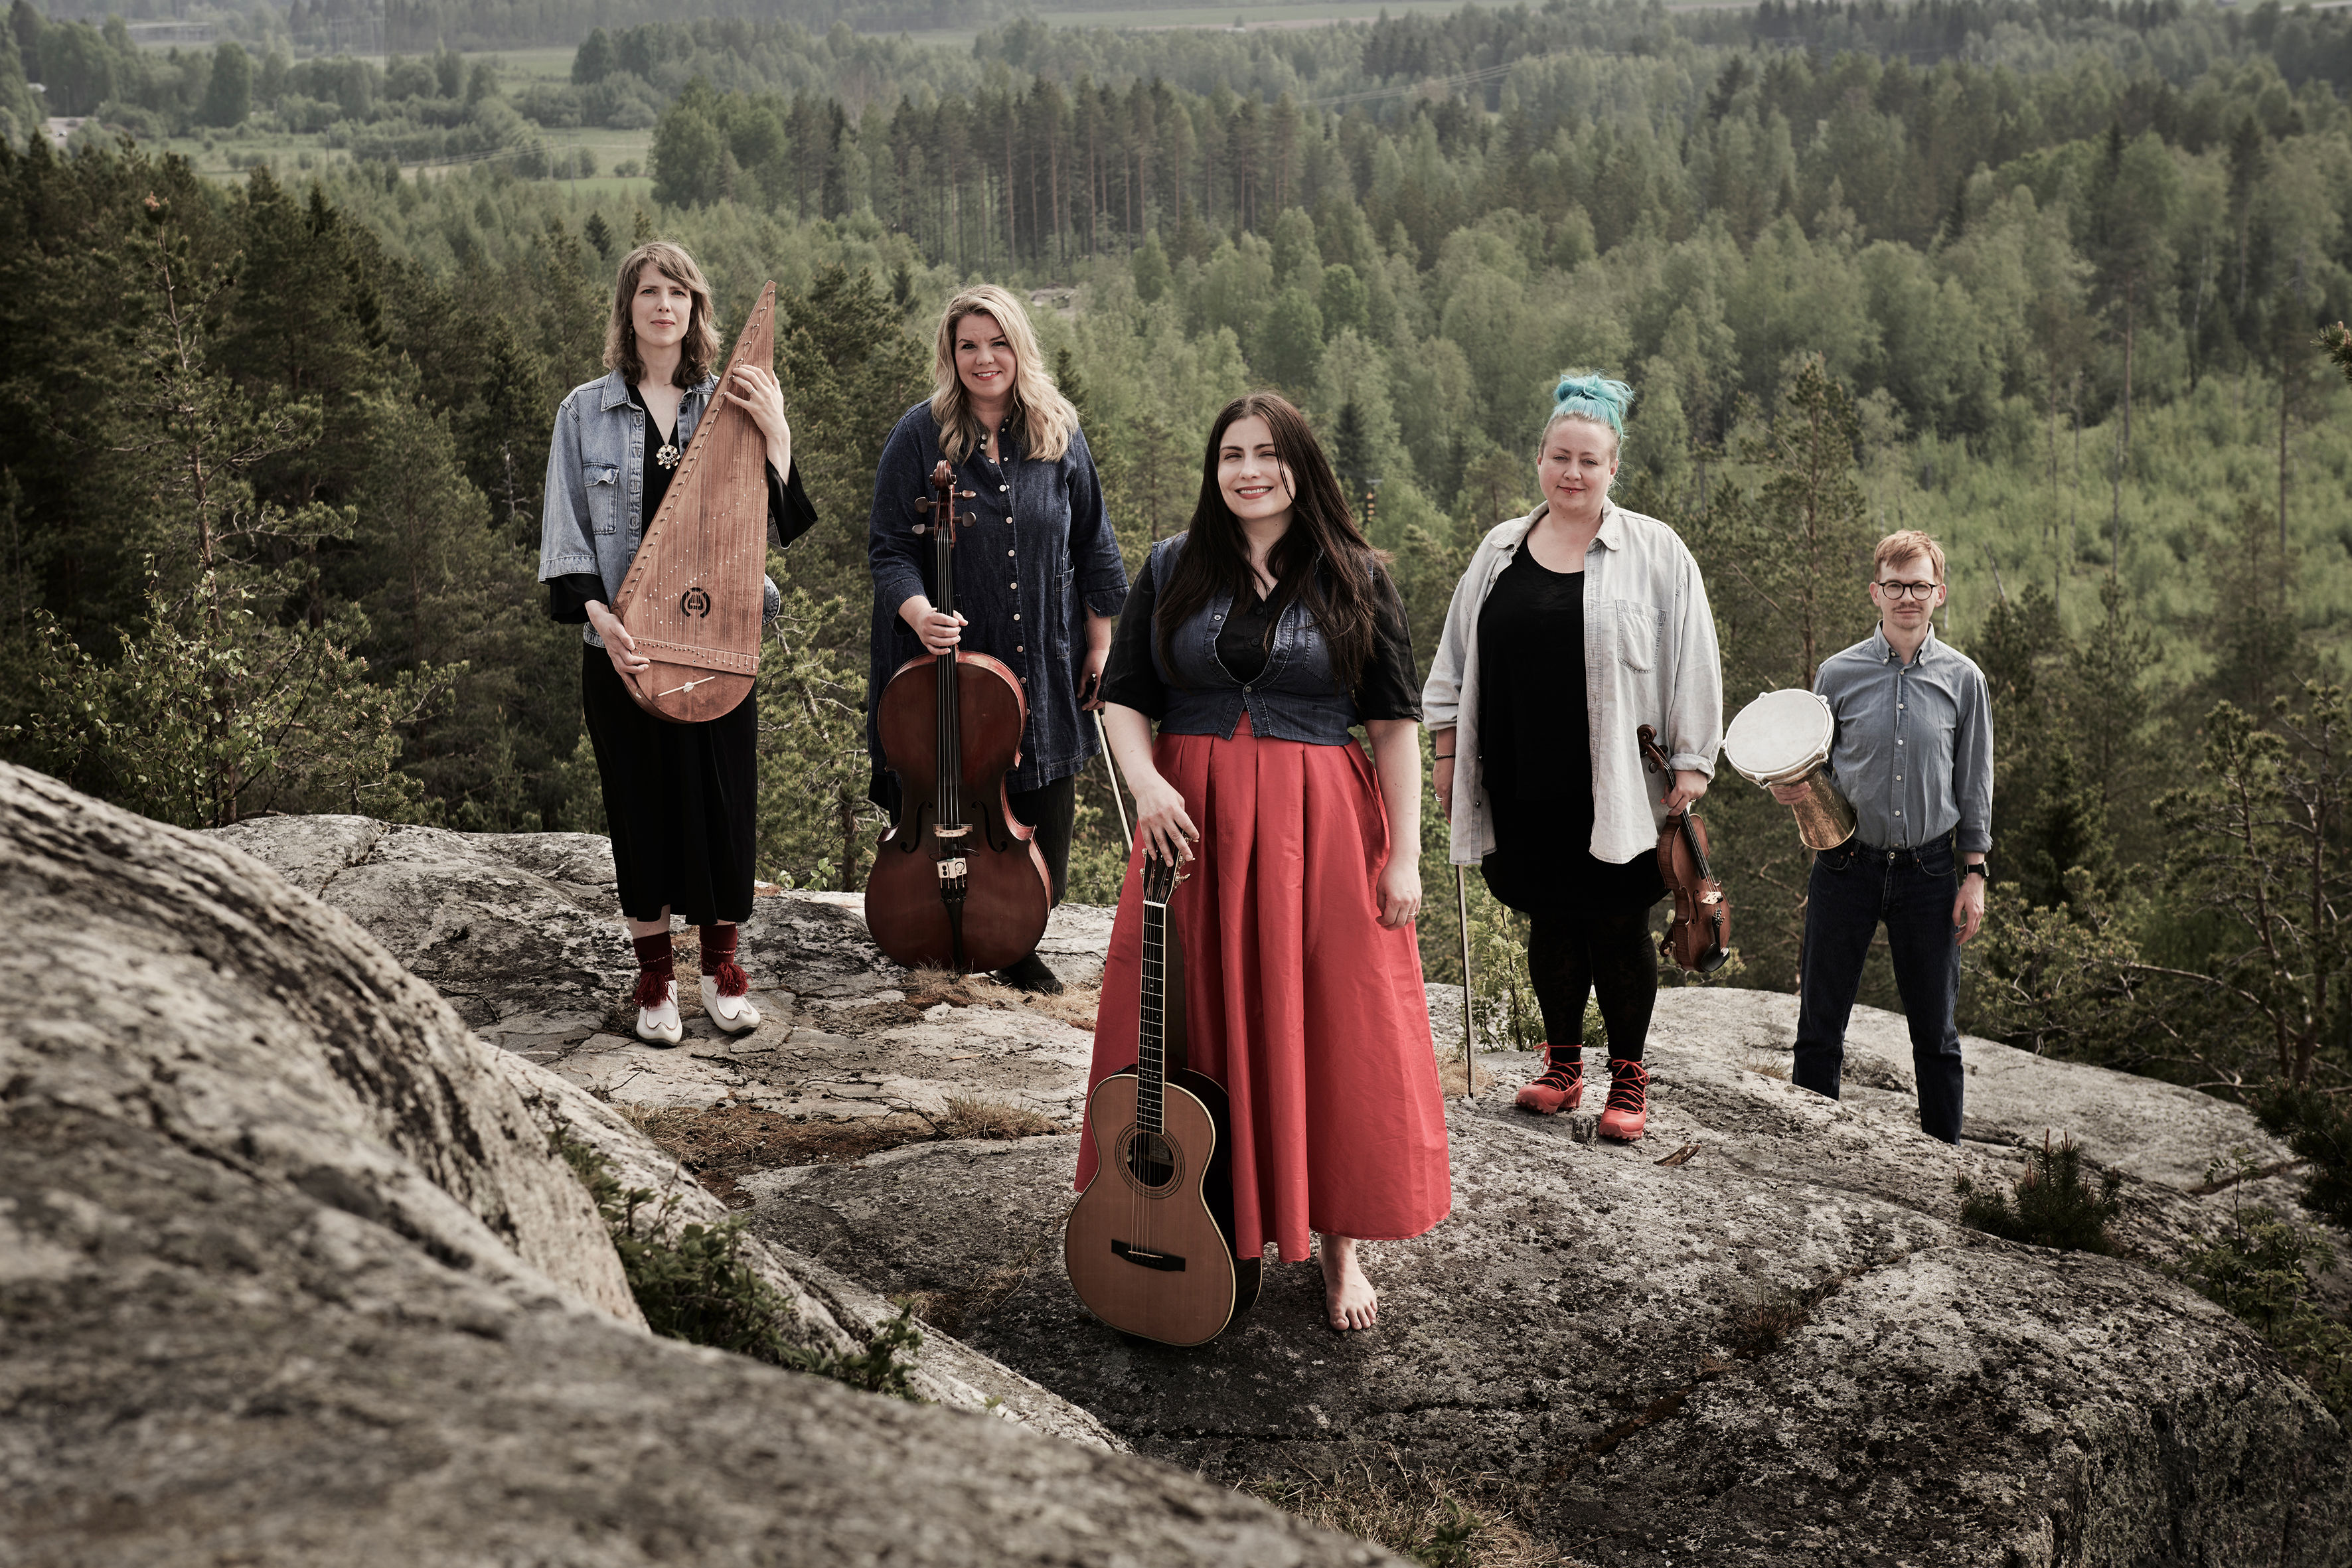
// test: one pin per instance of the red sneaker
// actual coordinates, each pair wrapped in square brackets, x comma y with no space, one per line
[1628,1110]
[1560,1087]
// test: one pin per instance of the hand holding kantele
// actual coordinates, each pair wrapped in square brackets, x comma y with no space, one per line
[754,389]
[619,645]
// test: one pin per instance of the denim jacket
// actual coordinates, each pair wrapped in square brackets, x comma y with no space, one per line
[1037,553]
[1650,659]
[1298,696]
[595,476]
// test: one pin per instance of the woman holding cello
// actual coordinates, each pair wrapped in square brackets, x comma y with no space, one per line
[1255,640]
[1574,626]
[1039,580]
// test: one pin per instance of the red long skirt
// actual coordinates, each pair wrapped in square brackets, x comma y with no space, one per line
[1309,1014]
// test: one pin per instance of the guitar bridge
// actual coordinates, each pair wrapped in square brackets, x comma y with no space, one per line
[1167,1262]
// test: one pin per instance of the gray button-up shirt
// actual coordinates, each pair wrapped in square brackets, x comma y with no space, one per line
[1914,746]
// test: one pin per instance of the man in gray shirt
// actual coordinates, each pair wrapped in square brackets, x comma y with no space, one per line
[1914,754]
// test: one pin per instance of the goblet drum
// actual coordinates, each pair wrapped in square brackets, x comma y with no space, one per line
[1784,737]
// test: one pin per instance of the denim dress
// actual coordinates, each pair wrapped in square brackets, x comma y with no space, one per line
[1037,554]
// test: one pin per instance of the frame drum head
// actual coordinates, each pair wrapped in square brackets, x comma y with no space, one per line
[1780,737]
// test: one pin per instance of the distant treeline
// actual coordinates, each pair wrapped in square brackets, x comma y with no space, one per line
[2172,198]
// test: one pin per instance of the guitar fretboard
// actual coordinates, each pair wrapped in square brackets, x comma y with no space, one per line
[1151,1041]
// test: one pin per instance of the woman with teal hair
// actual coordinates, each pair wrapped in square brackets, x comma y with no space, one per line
[1574,626]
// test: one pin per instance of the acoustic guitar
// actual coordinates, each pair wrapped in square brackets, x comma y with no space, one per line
[1150,1246]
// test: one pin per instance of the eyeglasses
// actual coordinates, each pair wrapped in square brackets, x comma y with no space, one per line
[1907,590]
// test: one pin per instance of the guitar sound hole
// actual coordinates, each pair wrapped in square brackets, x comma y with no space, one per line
[1150,1159]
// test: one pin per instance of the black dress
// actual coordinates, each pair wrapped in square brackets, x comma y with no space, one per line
[679,799]
[1535,745]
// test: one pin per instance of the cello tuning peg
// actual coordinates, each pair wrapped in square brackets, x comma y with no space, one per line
[967,495]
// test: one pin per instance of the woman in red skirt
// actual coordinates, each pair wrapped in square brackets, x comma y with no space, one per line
[1255,640]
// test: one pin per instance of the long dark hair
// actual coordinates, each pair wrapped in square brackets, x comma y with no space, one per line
[1323,533]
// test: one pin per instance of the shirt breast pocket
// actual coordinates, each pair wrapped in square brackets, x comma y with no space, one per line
[602,484]
[1640,629]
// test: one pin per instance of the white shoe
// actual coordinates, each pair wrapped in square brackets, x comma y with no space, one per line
[661,1026]
[732,1014]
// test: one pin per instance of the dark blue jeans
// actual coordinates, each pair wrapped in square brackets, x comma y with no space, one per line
[1853,888]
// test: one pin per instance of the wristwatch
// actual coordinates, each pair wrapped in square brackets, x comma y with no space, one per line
[1976,869]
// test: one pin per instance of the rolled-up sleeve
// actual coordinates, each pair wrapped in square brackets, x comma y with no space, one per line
[1695,702]
[1093,547]
[892,548]
[564,545]
[1972,768]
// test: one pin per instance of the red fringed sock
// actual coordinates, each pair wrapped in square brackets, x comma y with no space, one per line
[719,961]
[655,968]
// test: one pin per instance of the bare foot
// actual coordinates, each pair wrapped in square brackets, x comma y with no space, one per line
[1348,1300]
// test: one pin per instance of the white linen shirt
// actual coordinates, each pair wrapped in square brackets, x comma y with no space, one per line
[1650,658]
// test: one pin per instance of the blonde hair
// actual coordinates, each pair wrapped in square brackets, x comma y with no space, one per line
[1903,545]
[1040,413]
[700,349]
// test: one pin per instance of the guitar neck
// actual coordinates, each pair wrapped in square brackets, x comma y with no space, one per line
[1151,1040]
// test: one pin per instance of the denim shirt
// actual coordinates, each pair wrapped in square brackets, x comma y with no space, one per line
[1035,555]
[595,476]
[1914,746]
[1296,697]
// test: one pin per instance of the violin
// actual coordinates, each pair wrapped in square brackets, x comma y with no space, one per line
[958,883]
[1699,939]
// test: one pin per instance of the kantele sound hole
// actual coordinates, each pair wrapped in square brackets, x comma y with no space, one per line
[1151,1161]
[694,603]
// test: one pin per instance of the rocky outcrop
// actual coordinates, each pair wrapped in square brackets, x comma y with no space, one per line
[291,1276]
[1600,1326]
[520,932]
[1761,1335]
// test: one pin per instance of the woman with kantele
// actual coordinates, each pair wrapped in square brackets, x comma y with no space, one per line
[1257,640]
[1038,579]
[678,799]
[1574,626]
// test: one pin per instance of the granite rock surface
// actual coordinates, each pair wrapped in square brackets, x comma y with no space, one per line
[1760,1335]
[289,1275]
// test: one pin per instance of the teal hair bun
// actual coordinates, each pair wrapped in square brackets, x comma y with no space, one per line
[1592,398]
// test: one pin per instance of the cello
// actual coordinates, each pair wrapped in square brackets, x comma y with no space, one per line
[957,882]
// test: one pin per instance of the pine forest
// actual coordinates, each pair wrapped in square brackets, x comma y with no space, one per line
[285,315]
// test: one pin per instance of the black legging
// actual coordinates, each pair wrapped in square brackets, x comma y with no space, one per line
[1570,957]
